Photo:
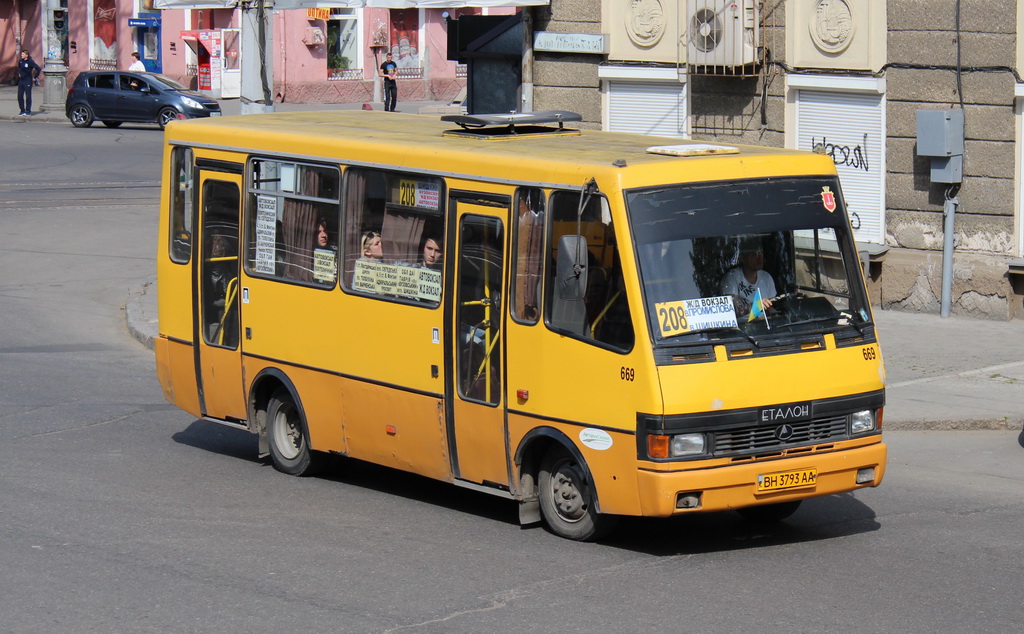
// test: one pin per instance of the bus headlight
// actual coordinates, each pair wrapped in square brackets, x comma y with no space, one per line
[678,446]
[686,445]
[861,422]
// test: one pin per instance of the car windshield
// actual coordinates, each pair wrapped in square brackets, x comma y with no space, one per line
[160,81]
[742,259]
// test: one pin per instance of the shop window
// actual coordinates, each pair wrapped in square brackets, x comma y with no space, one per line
[342,40]
[405,38]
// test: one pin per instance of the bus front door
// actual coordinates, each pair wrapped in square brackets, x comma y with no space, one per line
[476,418]
[216,318]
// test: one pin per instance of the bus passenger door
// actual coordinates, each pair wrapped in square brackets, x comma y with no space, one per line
[216,317]
[476,418]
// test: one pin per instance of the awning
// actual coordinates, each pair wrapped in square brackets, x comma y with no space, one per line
[207,40]
[352,4]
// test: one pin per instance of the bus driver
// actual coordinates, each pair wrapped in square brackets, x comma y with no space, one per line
[743,281]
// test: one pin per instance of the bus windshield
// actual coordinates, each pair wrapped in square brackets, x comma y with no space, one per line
[744,259]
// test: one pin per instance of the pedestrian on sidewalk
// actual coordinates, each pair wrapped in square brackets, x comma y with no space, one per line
[28,74]
[137,65]
[389,71]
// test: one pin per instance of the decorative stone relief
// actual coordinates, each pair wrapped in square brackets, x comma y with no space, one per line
[645,22]
[831,25]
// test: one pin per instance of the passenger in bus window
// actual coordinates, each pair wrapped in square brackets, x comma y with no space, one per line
[372,246]
[324,253]
[432,254]
[323,236]
[748,277]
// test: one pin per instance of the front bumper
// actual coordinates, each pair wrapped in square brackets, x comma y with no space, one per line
[735,486]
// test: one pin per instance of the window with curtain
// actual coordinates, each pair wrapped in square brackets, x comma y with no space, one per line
[393,235]
[292,225]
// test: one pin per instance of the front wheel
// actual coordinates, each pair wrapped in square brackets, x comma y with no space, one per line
[165,116]
[567,499]
[81,115]
[288,437]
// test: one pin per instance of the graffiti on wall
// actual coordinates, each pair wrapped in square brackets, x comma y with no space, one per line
[855,157]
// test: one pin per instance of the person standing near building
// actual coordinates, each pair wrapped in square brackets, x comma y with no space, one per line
[389,71]
[137,65]
[28,74]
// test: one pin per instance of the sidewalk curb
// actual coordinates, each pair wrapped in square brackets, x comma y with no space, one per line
[954,425]
[40,117]
[143,328]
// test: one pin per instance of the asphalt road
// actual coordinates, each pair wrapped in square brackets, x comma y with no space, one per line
[121,513]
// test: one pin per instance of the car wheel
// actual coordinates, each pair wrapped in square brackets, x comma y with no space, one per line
[81,115]
[112,124]
[165,116]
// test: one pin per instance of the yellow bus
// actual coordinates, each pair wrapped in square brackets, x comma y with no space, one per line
[592,324]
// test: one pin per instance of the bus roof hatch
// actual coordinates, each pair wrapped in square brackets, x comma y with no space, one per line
[504,125]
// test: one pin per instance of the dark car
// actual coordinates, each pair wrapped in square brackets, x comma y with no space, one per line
[116,97]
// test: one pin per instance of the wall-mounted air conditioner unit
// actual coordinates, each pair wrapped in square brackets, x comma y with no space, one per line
[314,36]
[722,32]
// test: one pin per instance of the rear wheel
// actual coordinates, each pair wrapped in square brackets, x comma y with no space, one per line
[567,499]
[81,115]
[112,124]
[165,116]
[769,513]
[288,437]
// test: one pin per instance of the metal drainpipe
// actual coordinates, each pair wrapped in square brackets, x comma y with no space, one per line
[526,99]
[948,210]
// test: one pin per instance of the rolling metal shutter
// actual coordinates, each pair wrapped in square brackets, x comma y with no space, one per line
[852,129]
[647,108]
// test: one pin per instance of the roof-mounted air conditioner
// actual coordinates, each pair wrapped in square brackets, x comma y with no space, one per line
[722,33]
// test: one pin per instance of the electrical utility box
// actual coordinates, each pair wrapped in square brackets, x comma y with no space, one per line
[940,135]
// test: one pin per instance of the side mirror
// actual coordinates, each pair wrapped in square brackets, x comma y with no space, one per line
[571,269]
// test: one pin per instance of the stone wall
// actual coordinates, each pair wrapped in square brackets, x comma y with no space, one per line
[922,75]
[356,91]
[564,81]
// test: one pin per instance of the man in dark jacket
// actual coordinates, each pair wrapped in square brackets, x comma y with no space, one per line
[28,74]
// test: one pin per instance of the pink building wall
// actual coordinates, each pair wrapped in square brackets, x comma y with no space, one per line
[19,28]
[300,68]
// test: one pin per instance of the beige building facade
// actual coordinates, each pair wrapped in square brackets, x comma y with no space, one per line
[846,77]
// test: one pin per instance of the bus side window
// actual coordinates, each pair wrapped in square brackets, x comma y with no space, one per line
[527,264]
[603,313]
[393,243]
[182,191]
[292,220]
